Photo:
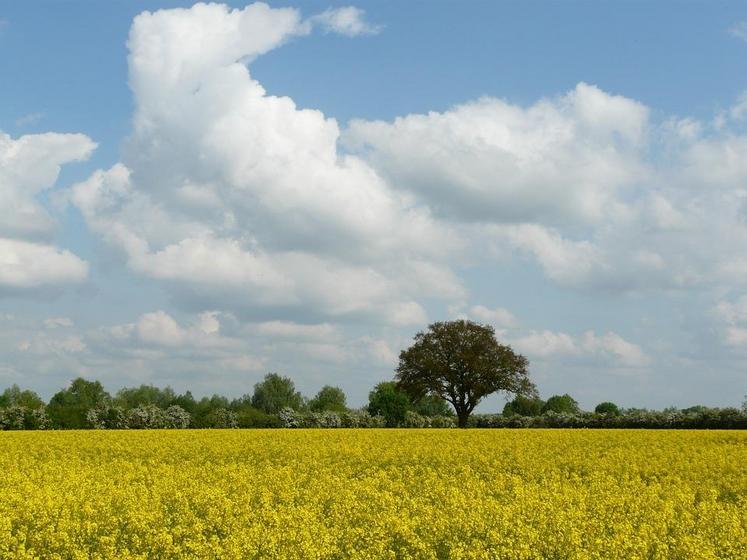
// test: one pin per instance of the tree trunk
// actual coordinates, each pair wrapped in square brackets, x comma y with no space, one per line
[462,416]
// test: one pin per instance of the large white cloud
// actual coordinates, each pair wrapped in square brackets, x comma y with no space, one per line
[29,166]
[241,196]
[559,160]
[26,265]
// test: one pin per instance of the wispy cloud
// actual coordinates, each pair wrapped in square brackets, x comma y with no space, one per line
[31,118]
[739,30]
[4,23]
[349,21]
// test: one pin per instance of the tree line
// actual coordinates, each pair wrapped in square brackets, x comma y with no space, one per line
[275,403]
[440,380]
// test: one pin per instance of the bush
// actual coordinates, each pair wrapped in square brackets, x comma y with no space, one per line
[415,420]
[107,418]
[177,417]
[443,422]
[223,418]
[361,419]
[252,418]
[290,418]
[18,417]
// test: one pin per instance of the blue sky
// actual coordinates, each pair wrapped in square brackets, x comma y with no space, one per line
[568,172]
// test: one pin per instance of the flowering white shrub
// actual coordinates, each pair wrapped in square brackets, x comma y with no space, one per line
[178,418]
[290,418]
[23,418]
[224,418]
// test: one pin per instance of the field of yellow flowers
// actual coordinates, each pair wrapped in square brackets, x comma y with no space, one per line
[287,494]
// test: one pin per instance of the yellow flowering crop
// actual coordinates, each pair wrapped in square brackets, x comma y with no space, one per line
[368,494]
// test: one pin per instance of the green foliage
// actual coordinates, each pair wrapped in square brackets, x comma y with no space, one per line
[524,406]
[697,409]
[432,406]
[329,398]
[389,401]
[202,415]
[133,397]
[607,408]
[250,417]
[561,404]
[14,396]
[461,362]
[274,393]
[68,408]
[186,401]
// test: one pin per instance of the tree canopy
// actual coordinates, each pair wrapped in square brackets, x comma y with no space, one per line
[14,396]
[274,393]
[389,401]
[68,408]
[329,398]
[524,406]
[461,362]
[565,404]
[607,408]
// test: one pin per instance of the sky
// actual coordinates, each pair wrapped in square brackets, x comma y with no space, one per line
[196,195]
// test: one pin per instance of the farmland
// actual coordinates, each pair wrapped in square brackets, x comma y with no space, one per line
[514,494]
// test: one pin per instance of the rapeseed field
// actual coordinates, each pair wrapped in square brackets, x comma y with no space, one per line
[369,494]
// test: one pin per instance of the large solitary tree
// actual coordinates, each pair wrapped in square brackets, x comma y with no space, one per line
[461,362]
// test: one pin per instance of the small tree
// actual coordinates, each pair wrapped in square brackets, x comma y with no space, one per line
[68,408]
[14,396]
[523,406]
[389,401]
[607,408]
[561,404]
[274,393]
[329,398]
[461,362]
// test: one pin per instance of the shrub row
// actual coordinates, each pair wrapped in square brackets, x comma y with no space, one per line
[710,418]
[175,417]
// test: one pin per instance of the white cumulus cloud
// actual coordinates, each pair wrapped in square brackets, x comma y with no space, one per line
[235,195]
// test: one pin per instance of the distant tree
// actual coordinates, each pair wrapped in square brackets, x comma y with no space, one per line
[432,405]
[607,408]
[461,362]
[14,396]
[68,408]
[329,398]
[132,397]
[204,409]
[186,401]
[274,393]
[389,401]
[524,406]
[697,409]
[562,404]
